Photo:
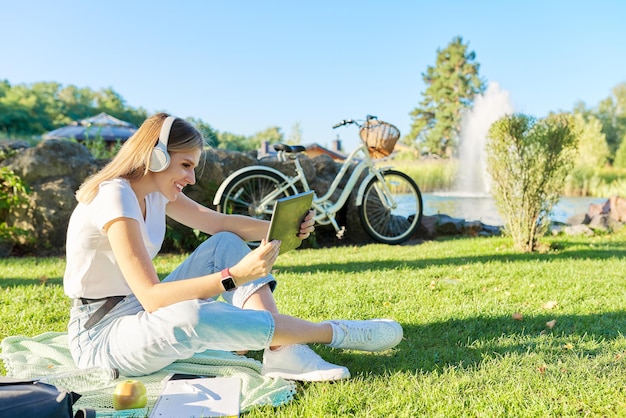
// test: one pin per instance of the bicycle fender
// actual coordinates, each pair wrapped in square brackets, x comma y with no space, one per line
[227,180]
[361,192]
[364,183]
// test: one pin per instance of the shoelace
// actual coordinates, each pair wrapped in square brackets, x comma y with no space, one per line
[358,334]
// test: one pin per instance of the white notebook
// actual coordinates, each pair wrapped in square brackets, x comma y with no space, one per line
[200,397]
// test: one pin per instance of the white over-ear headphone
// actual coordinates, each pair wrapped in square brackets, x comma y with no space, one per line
[160,158]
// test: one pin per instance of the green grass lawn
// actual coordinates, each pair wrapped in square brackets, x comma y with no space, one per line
[464,353]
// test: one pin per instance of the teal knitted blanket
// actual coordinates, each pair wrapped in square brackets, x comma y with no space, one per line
[48,354]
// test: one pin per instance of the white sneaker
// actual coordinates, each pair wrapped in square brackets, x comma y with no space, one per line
[369,335]
[299,362]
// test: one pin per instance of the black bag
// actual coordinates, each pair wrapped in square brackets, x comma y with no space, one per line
[31,398]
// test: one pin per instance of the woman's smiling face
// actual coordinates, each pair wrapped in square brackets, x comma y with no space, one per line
[179,173]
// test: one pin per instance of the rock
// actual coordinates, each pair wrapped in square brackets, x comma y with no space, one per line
[579,219]
[53,170]
[490,231]
[52,159]
[617,208]
[578,229]
[600,222]
[472,228]
[13,145]
[447,225]
[428,227]
[598,209]
[216,165]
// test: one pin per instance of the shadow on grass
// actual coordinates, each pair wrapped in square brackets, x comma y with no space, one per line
[563,252]
[465,343]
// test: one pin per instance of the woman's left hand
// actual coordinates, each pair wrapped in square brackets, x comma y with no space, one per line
[307,226]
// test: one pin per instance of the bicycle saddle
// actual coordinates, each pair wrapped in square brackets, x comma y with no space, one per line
[289,148]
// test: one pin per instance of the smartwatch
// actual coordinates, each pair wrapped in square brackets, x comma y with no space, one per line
[227,280]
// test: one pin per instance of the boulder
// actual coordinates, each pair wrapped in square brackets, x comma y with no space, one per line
[578,219]
[578,229]
[598,209]
[428,227]
[447,225]
[53,170]
[53,159]
[609,216]
[617,208]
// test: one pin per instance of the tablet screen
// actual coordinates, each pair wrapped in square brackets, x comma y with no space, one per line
[289,212]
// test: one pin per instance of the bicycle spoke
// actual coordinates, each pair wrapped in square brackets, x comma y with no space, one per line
[391,211]
[249,194]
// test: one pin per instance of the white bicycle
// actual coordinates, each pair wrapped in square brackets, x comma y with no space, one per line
[389,202]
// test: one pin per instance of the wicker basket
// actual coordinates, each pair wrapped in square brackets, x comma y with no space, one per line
[380,137]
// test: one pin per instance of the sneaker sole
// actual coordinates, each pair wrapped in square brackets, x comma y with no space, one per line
[314,376]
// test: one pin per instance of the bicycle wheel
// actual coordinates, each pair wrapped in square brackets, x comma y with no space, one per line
[245,195]
[386,222]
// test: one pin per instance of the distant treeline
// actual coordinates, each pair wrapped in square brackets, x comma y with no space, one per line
[27,111]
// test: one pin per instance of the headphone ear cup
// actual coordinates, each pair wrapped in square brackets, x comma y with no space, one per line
[159,159]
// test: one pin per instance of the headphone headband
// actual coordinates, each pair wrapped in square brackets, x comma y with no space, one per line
[165,130]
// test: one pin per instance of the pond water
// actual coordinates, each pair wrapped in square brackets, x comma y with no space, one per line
[482,207]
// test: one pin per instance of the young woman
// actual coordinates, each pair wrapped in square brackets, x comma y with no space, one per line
[124,317]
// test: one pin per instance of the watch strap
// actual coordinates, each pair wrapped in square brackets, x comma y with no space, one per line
[227,280]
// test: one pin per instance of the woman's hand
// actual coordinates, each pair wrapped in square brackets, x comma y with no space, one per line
[307,225]
[257,263]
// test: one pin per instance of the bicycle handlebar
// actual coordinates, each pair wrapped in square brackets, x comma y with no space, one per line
[342,123]
[349,121]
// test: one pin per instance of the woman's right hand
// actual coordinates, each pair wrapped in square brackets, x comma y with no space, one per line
[257,263]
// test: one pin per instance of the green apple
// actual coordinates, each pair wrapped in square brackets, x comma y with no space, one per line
[130,394]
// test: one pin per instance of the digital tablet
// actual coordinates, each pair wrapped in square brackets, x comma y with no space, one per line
[289,212]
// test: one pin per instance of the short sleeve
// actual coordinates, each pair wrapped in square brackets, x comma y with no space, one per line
[115,199]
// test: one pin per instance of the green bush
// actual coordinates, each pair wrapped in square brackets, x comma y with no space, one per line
[99,148]
[13,196]
[528,161]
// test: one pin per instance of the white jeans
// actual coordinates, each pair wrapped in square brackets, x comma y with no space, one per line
[138,343]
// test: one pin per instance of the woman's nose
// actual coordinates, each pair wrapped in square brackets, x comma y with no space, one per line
[191,178]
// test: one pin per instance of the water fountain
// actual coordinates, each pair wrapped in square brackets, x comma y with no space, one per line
[472,178]
[470,199]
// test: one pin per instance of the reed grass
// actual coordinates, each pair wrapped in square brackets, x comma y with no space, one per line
[439,175]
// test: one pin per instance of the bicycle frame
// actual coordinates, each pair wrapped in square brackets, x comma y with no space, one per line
[325,209]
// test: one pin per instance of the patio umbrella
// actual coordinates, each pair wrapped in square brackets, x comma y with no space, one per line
[102,126]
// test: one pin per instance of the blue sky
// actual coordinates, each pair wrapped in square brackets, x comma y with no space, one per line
[243,66]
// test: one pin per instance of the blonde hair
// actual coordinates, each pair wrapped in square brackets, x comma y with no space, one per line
[132,160]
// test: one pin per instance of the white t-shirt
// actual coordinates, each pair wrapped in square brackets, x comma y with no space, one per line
[91,270]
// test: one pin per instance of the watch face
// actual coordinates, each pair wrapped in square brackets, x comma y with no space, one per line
[228,283]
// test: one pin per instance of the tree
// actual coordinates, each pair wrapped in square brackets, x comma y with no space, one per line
[295,136]
[620,155]
[451,86]
[210,134]
[528,162]
[272,135]
[31,110]
[612,113]
[233,142]
[593,151]
[76,103]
